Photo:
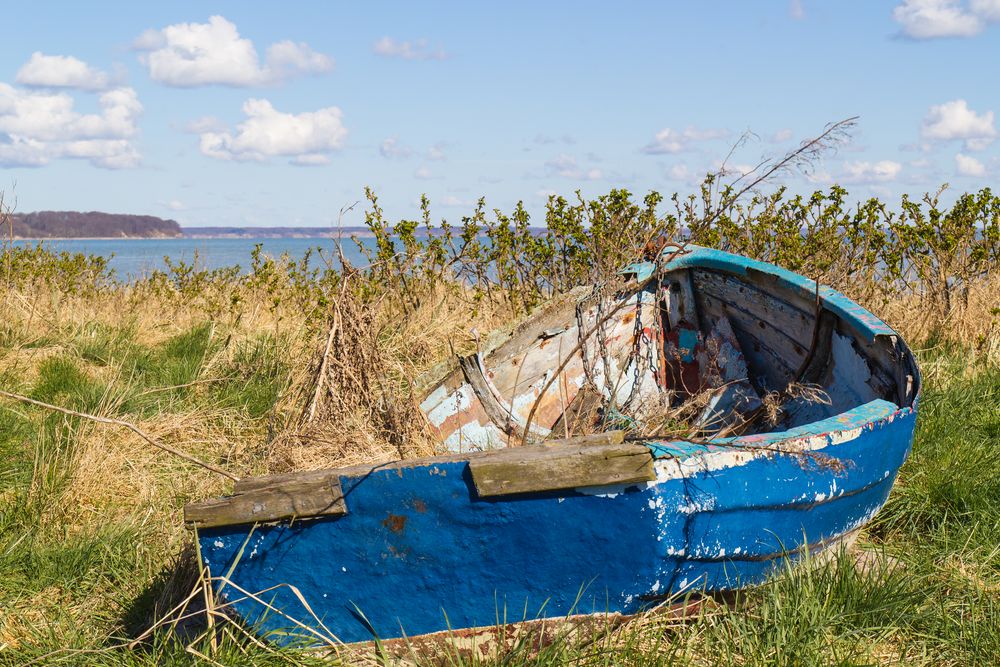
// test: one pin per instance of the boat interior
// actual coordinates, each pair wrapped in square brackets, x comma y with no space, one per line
[705,351]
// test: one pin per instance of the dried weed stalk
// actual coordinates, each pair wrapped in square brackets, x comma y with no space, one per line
[775,403]
[356,387]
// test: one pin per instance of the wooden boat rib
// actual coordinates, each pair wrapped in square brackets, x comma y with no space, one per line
[490,532]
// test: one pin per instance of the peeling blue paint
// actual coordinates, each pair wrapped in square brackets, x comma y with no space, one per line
[418,551]
[687,342]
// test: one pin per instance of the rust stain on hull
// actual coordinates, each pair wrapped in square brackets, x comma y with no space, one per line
[395,522]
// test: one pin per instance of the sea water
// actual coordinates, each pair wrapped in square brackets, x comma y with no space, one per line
[133,258]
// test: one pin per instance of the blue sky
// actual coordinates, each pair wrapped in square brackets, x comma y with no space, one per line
[236,113]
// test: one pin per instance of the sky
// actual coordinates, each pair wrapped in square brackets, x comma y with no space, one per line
[249,114]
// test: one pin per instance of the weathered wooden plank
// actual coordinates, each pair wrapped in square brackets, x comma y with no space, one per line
[558,313]
[500,415]
[581,410]
[307,477]
[501,346]
[884,364]
[552,468]
[818,360]
[299,499]
[537,358]
[790,352]
[763,361]
[794,320]
[248,484]
[683,306]
[606,438]
[781,333]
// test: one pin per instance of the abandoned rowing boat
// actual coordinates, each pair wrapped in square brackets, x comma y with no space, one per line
[494,530]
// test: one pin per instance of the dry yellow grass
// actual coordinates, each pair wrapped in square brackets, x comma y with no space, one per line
[973,324]
[117,476]
[114,478]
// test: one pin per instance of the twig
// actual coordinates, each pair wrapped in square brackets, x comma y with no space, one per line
[118,422]
[8,219]
[340,235]
[324,363]
[156,390]
[800,158]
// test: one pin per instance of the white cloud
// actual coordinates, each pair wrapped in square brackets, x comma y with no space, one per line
[795,10]
[416,50]
[955,120]
[679,172]
[669,140]
[423,173]
[393,150]
[738,170]
[545,139]
[781,136]
[436,152]
[61,72]
[989,10]
[175,205]
[917,146]
[563,165]
[969,166]
[306,138]
[451,201]
[928,19]
[38,127]
[149,40]
[204,124]
[200,54]
[287,59]
[882,171]
[310,160]
[567,166]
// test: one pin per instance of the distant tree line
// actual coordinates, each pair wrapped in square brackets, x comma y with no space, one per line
[74,224]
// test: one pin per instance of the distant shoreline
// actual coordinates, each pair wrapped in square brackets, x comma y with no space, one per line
[62,226]
[167,238]
[208,233]
[233,233]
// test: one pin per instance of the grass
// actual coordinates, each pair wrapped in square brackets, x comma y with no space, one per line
[91,536]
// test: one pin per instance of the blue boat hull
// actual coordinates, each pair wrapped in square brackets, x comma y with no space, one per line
[419,552]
